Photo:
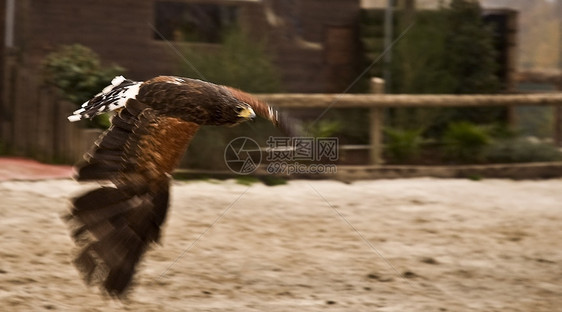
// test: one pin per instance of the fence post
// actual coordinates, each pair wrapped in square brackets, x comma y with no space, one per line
[558,113]
[376,124]
[558,125]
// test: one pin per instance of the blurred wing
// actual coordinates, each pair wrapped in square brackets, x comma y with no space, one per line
[281,120]
[113,225]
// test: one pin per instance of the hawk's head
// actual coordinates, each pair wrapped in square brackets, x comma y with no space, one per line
[233,107]
[244,112]
[230,113]
[239,113]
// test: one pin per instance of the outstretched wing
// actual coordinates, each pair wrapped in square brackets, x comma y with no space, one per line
[114,225]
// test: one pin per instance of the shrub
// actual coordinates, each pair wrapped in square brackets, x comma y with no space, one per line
[518,150]
[465,142]
[323,128]
[402,145]
[76,71]
[239,62]
[470,53]
[450,50]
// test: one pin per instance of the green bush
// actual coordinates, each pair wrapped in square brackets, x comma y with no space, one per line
[402,145]
[518,150]
[239,62]
[76,71]
[465,142]
[470,53]
[448,51]
[323,128]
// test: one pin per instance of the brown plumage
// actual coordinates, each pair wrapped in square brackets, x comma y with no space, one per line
[155,121]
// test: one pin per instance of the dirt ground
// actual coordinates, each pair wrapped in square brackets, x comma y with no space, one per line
[386,245]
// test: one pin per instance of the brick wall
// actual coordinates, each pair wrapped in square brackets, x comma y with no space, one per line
[120,31]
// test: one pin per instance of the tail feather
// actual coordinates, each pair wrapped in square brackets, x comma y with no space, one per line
[113,227]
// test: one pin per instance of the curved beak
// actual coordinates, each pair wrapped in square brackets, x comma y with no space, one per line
[247,113]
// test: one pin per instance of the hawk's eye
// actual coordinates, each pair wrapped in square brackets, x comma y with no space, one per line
[238,109]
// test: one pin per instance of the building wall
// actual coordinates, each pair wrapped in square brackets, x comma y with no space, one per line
[121,32]
[308,39]
[118,30]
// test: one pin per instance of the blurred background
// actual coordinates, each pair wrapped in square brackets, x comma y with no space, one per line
[58,53]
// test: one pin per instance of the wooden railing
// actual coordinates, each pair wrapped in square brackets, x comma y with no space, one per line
[34,123]
[376,102]
[401,100]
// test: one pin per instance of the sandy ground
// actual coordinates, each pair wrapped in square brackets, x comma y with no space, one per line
[394,245]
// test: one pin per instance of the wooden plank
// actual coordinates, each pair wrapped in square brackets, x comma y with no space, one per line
[20,125]
[375,135]
[376,124]
[558,126]
[45,135]
[291,100]
[9,102]
[32,115]
[63,130]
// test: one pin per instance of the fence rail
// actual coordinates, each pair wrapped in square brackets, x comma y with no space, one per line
[402,100]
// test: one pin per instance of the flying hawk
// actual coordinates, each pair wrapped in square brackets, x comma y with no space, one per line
[153,124]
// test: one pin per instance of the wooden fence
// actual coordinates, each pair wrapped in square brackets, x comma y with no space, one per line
[376,102]
[35,122]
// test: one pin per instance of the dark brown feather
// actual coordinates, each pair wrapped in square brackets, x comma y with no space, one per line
[181,97]
[113,226]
